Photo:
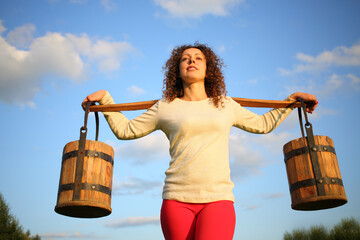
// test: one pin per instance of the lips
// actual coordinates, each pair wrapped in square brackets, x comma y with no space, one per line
[191,68]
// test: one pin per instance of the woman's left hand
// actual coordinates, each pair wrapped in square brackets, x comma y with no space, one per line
[309,99]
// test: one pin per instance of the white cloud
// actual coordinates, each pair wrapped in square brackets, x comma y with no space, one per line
[109,5]
[354,81]
[78,1]
[252,207]
[273,142]
[55,54]
[222,48]
[75,235]
[245,160]
[246,163]
[2,28]
[272,195]
[21,37]
[247,152]
[23,72]
[133,222]
[134,185]
[54,235]
[106,54]
[325,86]
[253,81]
[305,58]
[334,83]
[135,90]
[339,56]
[197,8]
[145,150]
[328,73]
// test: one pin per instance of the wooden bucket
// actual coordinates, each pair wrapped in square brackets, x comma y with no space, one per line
[313,172]
[86,177]
[308,192]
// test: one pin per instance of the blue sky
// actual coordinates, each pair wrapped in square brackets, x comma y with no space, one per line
[55,52]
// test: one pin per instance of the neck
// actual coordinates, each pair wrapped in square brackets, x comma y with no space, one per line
[194,92]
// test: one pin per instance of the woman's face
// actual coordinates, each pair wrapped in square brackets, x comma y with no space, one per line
[192,66]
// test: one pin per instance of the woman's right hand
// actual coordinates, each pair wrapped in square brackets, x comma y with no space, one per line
[94,97]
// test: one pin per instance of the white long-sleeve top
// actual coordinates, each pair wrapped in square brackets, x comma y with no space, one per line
[198,132]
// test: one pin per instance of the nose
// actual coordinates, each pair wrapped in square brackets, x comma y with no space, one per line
[191,60]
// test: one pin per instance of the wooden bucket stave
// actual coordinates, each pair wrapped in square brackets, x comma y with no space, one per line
[308,191]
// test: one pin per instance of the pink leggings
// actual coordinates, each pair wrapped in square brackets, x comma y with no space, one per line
[192,221]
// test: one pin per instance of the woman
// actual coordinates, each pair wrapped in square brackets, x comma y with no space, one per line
[196,117]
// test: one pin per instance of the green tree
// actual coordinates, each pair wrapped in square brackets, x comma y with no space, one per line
[10,229]
[318,233]
[315,233]
[297,234]
[347,229]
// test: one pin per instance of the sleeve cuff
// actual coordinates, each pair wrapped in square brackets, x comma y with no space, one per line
[107,99]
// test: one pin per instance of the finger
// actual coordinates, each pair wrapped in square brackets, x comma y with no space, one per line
[83,104]
[312,106]
[316,103]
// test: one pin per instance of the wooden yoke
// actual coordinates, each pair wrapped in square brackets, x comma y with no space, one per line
[147,104]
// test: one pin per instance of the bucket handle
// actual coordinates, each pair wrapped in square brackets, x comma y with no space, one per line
[308,125]
[311,148]
[83,129]
[81,152]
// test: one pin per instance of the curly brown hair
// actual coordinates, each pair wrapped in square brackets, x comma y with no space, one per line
[214,80]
